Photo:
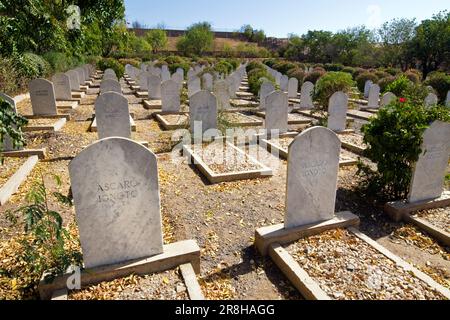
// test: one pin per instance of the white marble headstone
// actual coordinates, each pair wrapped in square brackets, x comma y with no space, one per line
[194,85]
[74,81]
[154,87]
[117,202]
[306,101]
[203,110]
[312,176]
[337,112]
[367,86]
[267,88]
[110,85]
[112,115]
[292,88]
[170,96]
[42,96]
[221,91]
[61,84]
[277,105]
[284,83]
[429,171]
[208,80]
[374,97]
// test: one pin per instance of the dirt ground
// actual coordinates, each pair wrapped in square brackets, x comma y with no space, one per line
[222,218]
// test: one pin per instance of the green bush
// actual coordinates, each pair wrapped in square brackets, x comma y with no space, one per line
[314,76]
[393,71]
[297,73]
[330,83]
[58,61]
[270,62]
[31,66]
[284,67]
[349,70]
[385,82]
[110,63]
[363,78]
[10,80]
[256,71]
[223,67]
[381,74]
[358,72]
[334,67]
[394,140]
[134,62]
[11,124]
[185,66]
[93,60]
[441,83]
[412,76]
[399,86]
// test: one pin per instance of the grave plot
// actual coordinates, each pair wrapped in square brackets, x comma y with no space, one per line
[41,124]
[435,222]
[173,121]
[353,142]
[281,145]
[238,119]
[13,172]
[319,116]
[293,118]
[243,103]
[152,104]
[362,115]
[221,161]
[343,264]
[93,127]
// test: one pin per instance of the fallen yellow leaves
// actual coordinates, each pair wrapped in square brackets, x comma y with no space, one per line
[217,285]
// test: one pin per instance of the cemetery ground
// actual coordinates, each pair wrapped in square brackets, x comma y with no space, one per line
[222,218]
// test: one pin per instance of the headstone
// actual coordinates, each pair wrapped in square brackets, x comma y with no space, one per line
[110,85]
[208,82]
[74,82]
[284,83]
[42,97]
[337,112]
[61,83]
[221,91]
[429,171]
[267,88]
[7,143]
[154,87]
[110,77]
[109,72]
[178,78]
[117,202]
[447,100]
[374,97]
[203,109]
[165,73]
[278,78]
[170,96]
[81,76]
[277,105]
[293,88]
[191,74]
[306,101]
[180,71]
[367,86]
[431,100]
[194,85]
[112,115]
[387,98]
[313,166]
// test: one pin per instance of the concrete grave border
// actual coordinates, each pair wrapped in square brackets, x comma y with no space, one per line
[317,117]
[262,114]
[253,123]
[40,153]
[264,172]
[15,181]
[283,153]
[269,241]
[66,106]
[93,127]
[160,117]
[352,147]
[357,115]
[152,104]
[174,255]
[57,126]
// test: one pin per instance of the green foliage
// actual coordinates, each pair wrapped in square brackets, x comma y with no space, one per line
[32,66]
[224,67]
[413,76]
[110,63]
[11,125]
[252,35]
[297,73]
[157,38]
[59,61]
[394,141]
[284,67]
[314,76]
[10,80]
[363,78]
[330,83]
[256,73]
[399,86]
[134,62]
[440,82]
[385,82]
[333,67]
[47,247]
[139,45]
[197,40]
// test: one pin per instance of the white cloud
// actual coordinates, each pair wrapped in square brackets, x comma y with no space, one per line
[374,19]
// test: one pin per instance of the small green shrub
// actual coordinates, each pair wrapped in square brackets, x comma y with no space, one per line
[334,67]
[363,78]
[255,75]
[110,63]
[330,83]
[412,76]
[394,140]
[385,82]
[399,86]
[11,124]
[358,72]
[31,66]
[58,61]
[284,67]
[10,80]
[349,70]
[381,74]
[133,62]
[314,76]
[297,73]
[393,71]
[441,83]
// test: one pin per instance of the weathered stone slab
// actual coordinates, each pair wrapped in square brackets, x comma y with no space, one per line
[306,100]
[337,112]
[61,83]
[203,111]
[112,116]
[277,105]
[42,97]
[170,96]
[110,85]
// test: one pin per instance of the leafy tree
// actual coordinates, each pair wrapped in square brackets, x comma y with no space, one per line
[11,125]
[395,36]
[198,39]
[157,38]
[431,45]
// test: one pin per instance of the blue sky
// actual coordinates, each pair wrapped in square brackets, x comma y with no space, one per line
[279,17]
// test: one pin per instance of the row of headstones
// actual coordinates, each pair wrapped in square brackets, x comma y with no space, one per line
[44,93]
[372,93]
[286,84]
[306,95]
[117,200]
